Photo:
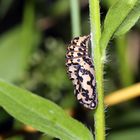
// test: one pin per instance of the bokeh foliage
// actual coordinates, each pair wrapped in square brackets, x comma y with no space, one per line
[32,56]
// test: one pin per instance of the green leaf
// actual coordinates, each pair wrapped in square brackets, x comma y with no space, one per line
[129,21]
[108,3]
[41,114]
[10,55]
[114,18]
[15,53]
[16,46]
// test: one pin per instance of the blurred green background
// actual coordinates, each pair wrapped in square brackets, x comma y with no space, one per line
[34,35]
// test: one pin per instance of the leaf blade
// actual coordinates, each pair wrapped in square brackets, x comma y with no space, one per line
[41,114]
[129,21]
[17,46]
[115,16]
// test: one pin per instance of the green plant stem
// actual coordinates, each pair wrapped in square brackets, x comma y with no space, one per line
[98,62]
[75,18]
[121,50]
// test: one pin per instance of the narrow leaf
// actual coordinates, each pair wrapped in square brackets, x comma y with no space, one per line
[16,46]
[114,18]
[41,114]
[129,21]
[15,50]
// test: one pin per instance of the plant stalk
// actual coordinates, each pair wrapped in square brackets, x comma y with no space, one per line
[98,62]
[122,50]
[75,18]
